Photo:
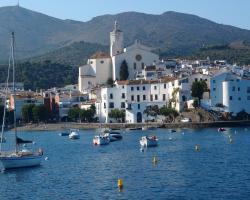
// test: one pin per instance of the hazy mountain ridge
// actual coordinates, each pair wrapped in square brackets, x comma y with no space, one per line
[169,33]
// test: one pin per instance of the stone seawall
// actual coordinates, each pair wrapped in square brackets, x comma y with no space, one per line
[63,126]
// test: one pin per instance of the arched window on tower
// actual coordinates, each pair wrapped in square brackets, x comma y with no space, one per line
[134,65]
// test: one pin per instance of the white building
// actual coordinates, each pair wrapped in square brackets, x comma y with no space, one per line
[135,95]
[102,66]
[97,71]
[231,90]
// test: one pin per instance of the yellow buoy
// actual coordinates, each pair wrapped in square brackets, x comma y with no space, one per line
[197,147]
[155,160]
[120,183]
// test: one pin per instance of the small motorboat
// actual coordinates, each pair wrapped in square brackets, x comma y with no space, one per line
[101,140]
[74,134]
[149,141]
[64,134]
[221,129]
[172,131]
[144,128]
[114,136]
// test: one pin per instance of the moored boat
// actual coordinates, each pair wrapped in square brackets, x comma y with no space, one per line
[64,134]
[74,134]
[221,129]
[114,136]
[19,157]
[149,141]
[101,140]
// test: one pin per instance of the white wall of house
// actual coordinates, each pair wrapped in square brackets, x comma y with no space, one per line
[134,98]
[232,91]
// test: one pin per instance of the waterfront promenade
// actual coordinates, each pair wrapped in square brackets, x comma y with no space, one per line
[68,125]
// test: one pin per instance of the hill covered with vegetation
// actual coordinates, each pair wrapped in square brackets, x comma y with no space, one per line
[238,53]
[74,55]
[42,75]
[170,33]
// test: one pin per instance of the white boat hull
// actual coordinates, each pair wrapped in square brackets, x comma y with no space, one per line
[101,141]
[22,161]
[148,142]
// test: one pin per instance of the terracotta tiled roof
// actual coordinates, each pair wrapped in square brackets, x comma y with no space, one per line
[100,55]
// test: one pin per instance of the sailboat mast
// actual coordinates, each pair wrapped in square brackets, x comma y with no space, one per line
[14,85]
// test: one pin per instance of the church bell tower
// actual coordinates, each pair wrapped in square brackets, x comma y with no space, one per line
[116,41]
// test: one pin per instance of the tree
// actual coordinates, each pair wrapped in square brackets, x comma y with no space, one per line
[27,115]
[174,97]
[74,113]
[117,114]
[110,82]
[198,88]
[151,111]
[168,112]
[124,71]
[196,103]
[40,113]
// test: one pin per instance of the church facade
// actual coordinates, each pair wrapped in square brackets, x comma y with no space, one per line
[101,66]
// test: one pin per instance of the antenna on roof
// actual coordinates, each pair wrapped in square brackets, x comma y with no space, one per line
[18,3]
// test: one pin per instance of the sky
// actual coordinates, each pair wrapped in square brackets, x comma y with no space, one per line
[231,12]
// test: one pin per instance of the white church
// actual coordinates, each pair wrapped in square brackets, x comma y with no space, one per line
[101,66]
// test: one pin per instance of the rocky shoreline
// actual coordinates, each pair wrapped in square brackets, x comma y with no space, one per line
[68,125]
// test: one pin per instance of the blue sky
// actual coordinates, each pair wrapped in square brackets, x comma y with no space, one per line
[232,12]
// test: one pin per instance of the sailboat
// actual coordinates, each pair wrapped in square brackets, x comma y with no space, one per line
[19,156]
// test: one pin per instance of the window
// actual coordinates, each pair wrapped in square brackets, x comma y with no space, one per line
[104,105]
[142,65]
[91,62]
[132,88]
[134,65]
[214,81]
[101,61]
[151,97]
[144,97]
[144,88]
[156,97]
[123,87]
[111,105]
[138,98]
[233,89]
[230,98]
[138,88]
[214,89]
[139,106]
[111,96]
[132,97]
[155,87]
[248,97]
[123,95]
[164,97]
[122,104]
[165,86]
[238,88]
[239,98]
[196,79]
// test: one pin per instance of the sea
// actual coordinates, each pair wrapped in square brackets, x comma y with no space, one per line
[78,170]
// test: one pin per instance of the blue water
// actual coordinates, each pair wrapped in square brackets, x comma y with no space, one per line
[79,170]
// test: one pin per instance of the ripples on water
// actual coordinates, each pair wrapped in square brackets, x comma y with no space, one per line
[79,170]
